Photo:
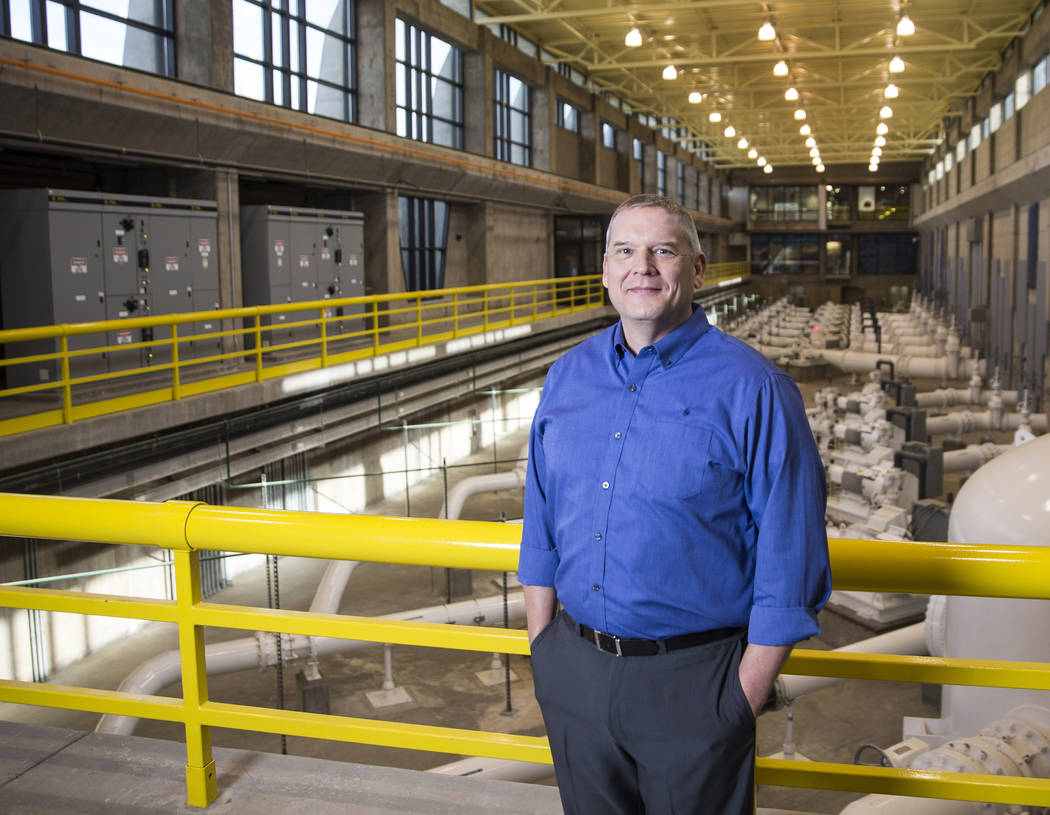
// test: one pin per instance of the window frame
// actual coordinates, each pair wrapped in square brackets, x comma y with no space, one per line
[503,111]
[420,82]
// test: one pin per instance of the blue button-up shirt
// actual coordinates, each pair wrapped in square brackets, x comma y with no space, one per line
[676,491]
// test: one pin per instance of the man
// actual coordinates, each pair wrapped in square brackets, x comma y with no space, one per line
[674,505]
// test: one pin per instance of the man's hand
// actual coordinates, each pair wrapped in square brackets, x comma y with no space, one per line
[759,667]
[540,602]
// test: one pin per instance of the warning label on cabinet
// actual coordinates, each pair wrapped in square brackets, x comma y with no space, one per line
[120,254]
[304,261]
[78,265]
[171,264]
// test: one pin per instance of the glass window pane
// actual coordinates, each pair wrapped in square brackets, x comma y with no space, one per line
[278,88]
[56,26]
[960,150]
[519,94]
[325,57]
[443,60]
[276,37]
[21,23]
[150,13]
[328,14]
[247,31]
[1039,76]
[295,61]
[248,80]
[399,39]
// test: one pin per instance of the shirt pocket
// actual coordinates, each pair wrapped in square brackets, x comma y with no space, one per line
[677,455]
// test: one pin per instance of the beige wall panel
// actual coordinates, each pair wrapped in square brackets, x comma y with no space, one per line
[520,247]
[1035,133]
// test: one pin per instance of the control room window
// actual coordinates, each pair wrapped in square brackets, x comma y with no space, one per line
[513,119]
[424,239]
[297,54]
[132,35]
[429,87]
[568,117]
[608,136]
[661,173]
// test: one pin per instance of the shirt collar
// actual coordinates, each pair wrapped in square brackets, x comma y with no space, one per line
[672,347]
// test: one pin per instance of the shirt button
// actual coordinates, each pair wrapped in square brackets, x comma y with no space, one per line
[597,536]
[634,388]
[596,587]
[605,485]
[667,362]
[617,435]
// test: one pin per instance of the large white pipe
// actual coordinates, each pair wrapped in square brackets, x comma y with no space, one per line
[963,421]
[260,650]
[972,456]
[910,640]
[904,365]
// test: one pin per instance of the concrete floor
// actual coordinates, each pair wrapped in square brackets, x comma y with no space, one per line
[442,686]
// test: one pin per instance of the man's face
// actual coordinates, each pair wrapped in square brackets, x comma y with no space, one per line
[650,273]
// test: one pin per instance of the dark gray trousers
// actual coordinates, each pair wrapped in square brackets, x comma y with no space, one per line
[669,734]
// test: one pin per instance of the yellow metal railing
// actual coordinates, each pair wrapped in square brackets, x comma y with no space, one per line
[189,528]
[61,374]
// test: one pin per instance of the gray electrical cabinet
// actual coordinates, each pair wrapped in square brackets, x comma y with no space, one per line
[71,257]
[294,255]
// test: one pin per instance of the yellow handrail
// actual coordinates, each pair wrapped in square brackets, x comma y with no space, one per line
[261,343]
[187,528]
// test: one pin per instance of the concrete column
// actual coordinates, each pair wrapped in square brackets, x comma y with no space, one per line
[479,237]
[375,60]
[204,43]
[222,187]
[542,118]
[383,274]
[478,131]
[590,138]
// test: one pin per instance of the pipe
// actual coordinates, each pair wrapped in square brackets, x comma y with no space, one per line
[910,640]
[963,421]
[906,365]
[260,650]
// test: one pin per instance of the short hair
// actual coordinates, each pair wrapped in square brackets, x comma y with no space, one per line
[670,206]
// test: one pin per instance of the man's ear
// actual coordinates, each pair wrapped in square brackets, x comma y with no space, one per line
[701,268]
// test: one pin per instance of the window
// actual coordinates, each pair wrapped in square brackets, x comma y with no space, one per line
[1039,76]
[785,203]
[568,116]
[579,242]
[698,199]
[513,121]
[1023,89]
[947,163]
[132,35]
[661,173]
[296,54]
[995,118]
[638,151]
[1008,106]
[975,137]
[960,150]
[887,254]
[1033,246]
[429,87]
[681,183]
[838,255]
[608,136]
[985,128]
[424,237]
[785,254]
[838,203]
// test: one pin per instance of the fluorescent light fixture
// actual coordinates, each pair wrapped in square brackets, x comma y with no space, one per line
[872,168]
[905,27]
[768,168]
[670,72]
[695,97]
[805,130]
[633,38]
[815,160]
[729,132]
[814,152]
[876,151]
[752,153]
[761,161]
[791,94]
[886,112]
[780,69]
[896,65]
[767,33]
[714,116]
[742,144]
[891,91]
[821,168]
[880,141]
[882,129]
[811,142]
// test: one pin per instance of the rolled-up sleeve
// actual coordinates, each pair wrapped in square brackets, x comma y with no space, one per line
[786,495]
[538,558]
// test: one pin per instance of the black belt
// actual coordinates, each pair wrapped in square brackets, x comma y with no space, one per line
[630,647]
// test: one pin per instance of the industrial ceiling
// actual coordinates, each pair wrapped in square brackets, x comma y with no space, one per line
[837,54]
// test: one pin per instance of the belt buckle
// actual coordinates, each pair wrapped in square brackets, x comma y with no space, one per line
[615,641]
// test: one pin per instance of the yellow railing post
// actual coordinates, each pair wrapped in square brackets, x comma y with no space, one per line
[455,314]
[176,385]
[419,320]
[375,326]
[258,348]
[324,338]
[67,392]
[485,309]
[512,291]
[535,311]
[201,788]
